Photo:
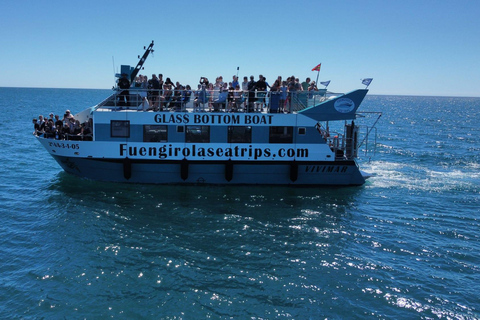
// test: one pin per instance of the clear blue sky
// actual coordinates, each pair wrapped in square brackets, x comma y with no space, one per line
[409,47]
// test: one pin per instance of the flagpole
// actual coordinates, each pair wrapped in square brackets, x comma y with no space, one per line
[316,83]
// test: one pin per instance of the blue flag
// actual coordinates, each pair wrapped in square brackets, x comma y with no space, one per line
[367,81]
[325,83]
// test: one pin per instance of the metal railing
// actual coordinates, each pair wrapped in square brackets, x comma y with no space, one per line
[211,100]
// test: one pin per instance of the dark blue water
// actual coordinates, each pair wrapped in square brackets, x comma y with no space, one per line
[403,246]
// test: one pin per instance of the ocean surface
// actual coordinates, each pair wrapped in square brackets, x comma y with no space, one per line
[406,245]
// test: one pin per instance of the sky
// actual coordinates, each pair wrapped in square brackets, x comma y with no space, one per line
[408,47]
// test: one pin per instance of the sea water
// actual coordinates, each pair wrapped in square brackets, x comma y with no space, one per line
[405,245]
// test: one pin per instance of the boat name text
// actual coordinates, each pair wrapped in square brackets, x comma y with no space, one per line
[186,118]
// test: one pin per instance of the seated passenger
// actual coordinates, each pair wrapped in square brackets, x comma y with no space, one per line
[237,99]
[220,101]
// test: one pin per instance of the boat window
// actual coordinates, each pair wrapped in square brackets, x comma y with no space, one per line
[302,131]
[239,134]
[199,134]
[281,135]
[120,129]
[155,133]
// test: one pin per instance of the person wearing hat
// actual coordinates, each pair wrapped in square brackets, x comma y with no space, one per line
[67,116]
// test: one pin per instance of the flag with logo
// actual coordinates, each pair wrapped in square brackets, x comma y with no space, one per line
[325,83]
[367,81]
[317,68]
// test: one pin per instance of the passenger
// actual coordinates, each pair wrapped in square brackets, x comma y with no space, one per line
[276,86]
[67,115]
[187,94]
[251,94]
[58,122]
[220,81]
[283,97]
[41,123]
[59,131]
[230,96]
[77,128]
[311,89]
[306,84]
[196,94]
[86,132]
[36,127]
[65,130]
[160,80]
[234,82]
[268,86]
[237,98]
[49,130]
[279,79]
[153,94]
[245,92]
[176,103]
[219,103]
[293,86]
[210,93]
[143,93]
[71,126]
[50,117]
[217,87]
[167,93]
[245,84]
[137,81]
[203,95]
[261,87]
[124,96]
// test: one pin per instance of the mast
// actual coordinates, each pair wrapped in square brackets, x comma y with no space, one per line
[141,62]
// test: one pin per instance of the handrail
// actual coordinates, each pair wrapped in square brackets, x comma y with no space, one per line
[141,99]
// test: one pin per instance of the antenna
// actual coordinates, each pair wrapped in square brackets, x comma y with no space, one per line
[113,63]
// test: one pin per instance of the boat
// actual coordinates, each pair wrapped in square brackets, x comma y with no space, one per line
[184,140]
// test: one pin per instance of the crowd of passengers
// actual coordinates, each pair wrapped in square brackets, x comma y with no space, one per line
[234,96]
[67,128]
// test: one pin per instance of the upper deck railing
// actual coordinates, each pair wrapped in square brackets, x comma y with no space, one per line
[137,99]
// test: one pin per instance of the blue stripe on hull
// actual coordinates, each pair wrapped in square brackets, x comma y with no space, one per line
[214,172]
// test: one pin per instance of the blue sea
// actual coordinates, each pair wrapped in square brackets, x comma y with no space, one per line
[406,245]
